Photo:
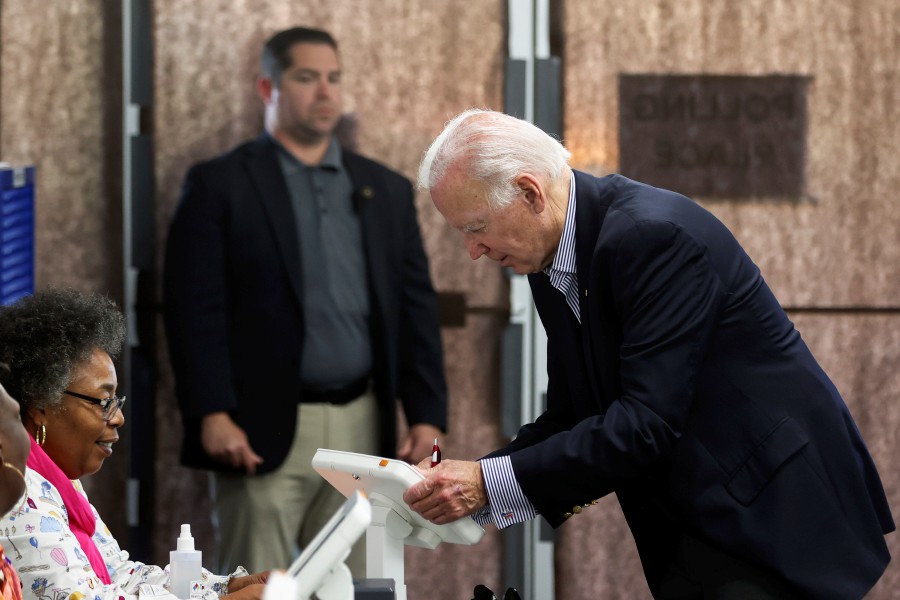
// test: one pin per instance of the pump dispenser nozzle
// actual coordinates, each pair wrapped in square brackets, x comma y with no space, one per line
[185,540]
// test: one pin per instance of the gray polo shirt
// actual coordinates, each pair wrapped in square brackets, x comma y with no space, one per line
[337,348]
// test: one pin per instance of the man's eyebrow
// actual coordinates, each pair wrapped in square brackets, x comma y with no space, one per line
[310,70]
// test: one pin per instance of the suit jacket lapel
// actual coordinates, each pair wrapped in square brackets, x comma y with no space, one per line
[591,205]
[262,162]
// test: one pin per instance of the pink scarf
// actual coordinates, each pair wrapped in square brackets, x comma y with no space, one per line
[81,517]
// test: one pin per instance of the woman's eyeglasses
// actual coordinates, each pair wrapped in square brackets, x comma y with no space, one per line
[109,406]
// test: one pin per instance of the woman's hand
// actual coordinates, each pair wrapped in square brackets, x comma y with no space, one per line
[253,591]
[237,584]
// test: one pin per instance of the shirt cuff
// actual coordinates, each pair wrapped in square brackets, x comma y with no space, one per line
[507,504]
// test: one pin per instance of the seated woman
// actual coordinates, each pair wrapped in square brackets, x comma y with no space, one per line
[14,446]
[60,347]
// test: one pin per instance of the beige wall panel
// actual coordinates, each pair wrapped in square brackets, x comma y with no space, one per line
[596,557]
[847,226]
[408,67]
[861,353]
[836,247]
[52,104]
[58,111]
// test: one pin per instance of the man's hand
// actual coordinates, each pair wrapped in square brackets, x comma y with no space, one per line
[418,443]
[226,442]
[450,491]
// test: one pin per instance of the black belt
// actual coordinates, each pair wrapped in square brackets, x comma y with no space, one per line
[341,395]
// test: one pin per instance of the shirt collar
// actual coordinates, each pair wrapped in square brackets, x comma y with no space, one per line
[330,160]
[564,260]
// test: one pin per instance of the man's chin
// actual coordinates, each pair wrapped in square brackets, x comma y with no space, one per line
[314,132]
[522,270]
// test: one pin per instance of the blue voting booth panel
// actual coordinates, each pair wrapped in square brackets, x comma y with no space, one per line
[16,233]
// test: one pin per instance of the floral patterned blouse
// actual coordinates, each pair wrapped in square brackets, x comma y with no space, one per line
[52,566]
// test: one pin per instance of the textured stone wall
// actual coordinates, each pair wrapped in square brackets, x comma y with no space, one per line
[59,110]
[836,248]
[56,114]
[411,65]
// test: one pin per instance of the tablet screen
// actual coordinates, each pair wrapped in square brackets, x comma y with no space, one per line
[332,544]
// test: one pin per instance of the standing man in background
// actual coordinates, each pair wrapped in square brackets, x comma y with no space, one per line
[298,308]
[676,381]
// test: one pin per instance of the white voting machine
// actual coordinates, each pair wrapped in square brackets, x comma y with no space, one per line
[393,523]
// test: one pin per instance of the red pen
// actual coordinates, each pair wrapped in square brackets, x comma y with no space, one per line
[435,454]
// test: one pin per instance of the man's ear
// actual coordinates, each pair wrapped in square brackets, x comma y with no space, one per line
[264,88]
[532,192]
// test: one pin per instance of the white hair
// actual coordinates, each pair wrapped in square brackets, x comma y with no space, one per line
[494,149]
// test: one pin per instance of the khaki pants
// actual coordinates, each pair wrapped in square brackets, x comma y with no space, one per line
[263,519]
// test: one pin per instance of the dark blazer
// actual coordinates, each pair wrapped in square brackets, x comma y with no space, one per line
[688,392]
[233,312]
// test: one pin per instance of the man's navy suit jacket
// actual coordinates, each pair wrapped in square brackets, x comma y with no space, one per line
[233,301]
[688,392]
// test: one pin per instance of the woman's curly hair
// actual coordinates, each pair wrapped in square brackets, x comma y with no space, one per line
[45,336]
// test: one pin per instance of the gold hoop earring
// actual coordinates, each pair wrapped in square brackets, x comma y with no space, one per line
[40,436]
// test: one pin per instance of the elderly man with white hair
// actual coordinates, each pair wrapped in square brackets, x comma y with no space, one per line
[676,381]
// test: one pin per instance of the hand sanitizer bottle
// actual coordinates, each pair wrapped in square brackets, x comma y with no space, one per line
[184,565]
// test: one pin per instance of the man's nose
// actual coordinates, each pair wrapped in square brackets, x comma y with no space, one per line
[325,89]
[476,249]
